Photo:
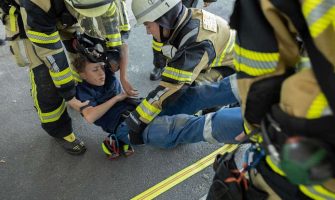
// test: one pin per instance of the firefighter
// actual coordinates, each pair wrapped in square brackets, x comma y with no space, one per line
[159,60]
[286,80]
[11,18]
[195,40]
[49,25]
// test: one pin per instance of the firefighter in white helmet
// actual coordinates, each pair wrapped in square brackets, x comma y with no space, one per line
[195,41]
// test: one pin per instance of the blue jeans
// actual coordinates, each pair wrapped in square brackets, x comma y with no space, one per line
[169,131]
[197,98]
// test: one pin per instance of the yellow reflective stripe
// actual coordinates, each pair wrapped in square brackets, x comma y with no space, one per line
[309,5]
[317,107]
[319,15]
[147,111]
[273,166]
[253,55]
[111,10]
[12,18]
[308,193]
[114,40]
[63,77]
[34,93]
[45,117]
[76,76]
[125,27]
[228,48]
[42,38]
[250,70]
[304,63]
[61,73]
[157,45]
[113,44]
[177,74]
[214,62]
[113,36]
[255,138]
[254,63]
[323,191]
[54,115]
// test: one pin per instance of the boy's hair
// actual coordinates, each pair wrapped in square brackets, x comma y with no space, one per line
[80,62]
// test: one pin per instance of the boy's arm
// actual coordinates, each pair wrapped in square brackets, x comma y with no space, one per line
[91,114]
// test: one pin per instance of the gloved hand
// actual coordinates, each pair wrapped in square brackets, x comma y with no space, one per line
[136,127]
[113,57]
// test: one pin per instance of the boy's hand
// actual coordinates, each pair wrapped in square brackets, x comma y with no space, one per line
[122,96]
[129,89]
[76,104]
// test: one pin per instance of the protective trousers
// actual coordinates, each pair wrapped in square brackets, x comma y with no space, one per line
[50,106]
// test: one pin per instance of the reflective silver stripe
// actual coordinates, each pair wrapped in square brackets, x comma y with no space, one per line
[155,5]
[60,78]
[43,38]
[188,36]
[52,61]
[158,95]
[147,111]
[257,64]
[207,132]
[229,48]
[310,191]
[319,11]
[55,116]
[304,63]
[177,76]
[234,87]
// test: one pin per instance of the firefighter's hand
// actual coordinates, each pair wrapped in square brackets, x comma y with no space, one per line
[240,137]
[136,127]
[128,88]
[76,104]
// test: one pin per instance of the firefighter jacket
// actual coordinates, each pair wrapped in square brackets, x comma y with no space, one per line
[201,40]
[267,48]
[48,23]
[11,18]
[124,24]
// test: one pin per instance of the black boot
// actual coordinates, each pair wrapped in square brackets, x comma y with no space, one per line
[156,73]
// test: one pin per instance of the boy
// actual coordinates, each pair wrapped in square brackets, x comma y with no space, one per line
[108,104]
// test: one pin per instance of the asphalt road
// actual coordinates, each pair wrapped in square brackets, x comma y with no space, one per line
[33,166]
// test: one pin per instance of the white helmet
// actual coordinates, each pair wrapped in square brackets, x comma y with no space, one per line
[90,8]
[150,10]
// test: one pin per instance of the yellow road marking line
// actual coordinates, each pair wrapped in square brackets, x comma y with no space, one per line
[182,175]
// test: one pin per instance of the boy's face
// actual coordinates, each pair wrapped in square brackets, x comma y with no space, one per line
[94,74]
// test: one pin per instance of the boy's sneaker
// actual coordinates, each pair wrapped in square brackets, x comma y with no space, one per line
[111,148]
[76,147]
[127,150]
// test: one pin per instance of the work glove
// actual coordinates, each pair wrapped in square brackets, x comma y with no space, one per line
[136,127]
[113,57]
